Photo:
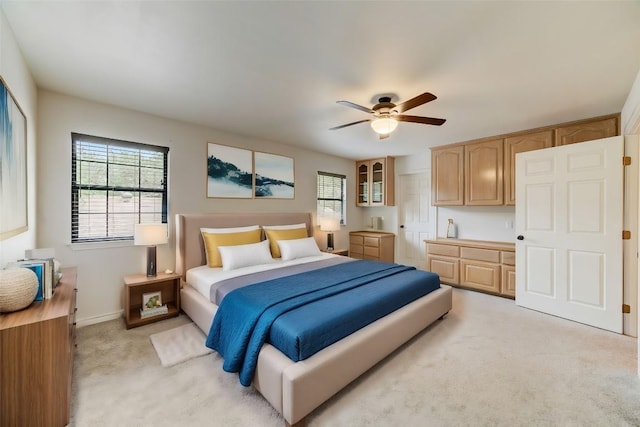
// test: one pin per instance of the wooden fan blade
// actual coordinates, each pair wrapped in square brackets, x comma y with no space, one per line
[384,135]
[356,106]
[350,124]
[418,119]
[414,102]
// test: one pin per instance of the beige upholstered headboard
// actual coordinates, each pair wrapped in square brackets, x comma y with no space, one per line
[189,243]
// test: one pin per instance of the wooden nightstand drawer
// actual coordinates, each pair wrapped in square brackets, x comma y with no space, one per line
[372,252]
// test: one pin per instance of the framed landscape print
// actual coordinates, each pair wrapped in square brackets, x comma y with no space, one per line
[274,176]
[13,165]
[229,172]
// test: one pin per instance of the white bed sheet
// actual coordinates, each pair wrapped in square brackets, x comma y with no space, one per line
[203,278]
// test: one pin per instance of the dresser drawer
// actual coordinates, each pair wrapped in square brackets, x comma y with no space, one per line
[372,241]
[355,249]
[371,252]
[480,275]
[446,250]
[488,255]
[356,240]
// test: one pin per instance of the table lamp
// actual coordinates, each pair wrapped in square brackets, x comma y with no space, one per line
[150,235]
[329,224]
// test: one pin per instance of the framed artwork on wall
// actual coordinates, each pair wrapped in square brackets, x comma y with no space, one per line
[13,165]
[229,172]
[274,176]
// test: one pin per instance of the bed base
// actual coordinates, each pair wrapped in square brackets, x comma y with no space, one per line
[295,389]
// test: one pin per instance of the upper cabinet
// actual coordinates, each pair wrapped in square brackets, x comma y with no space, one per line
[581,132]
[520,144]
[482,172]
[375,182]
[483,185]
[447,176]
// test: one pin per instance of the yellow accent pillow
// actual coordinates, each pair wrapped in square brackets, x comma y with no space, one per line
[212,241]
[289,234]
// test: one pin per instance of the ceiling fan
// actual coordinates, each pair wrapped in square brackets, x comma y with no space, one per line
[386,114]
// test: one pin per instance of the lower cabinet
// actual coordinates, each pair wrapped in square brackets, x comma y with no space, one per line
[479,265]
[375,245]
[37,345]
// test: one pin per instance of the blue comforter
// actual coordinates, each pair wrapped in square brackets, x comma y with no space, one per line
[302,313]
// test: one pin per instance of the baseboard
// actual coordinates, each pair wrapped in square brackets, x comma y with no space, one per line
[98,319]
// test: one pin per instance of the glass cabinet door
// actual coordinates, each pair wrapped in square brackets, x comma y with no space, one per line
[377,182]
[363,184]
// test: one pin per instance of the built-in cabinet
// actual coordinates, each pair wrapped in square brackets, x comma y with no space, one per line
[447,176]
[483,184]
[482,172]
[474,264]
[375,182]
[375,245]
[37,347]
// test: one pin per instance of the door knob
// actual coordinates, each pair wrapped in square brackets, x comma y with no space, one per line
[402,226]
[520,237]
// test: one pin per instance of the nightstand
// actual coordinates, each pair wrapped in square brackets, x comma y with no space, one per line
[138,284]
[343,252]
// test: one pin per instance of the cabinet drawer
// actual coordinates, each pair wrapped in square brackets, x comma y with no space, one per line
[480,275]
[488,255]
[508,258]
[447,268]
[355,249]
[446,250]
[372,252]
[372,241]
[357,240]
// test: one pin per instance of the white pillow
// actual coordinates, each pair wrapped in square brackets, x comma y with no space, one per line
[284,227]
[239,256]
[229,230]
[298,248]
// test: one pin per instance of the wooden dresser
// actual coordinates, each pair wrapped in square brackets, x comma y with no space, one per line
[375,245]
[37,346]
[475,264]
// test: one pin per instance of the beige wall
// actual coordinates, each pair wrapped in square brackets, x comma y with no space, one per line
[101,268]
[17,77]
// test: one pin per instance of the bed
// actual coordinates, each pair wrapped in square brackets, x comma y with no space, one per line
[295,389]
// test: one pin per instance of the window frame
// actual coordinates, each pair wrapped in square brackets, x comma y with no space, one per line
[76,188]
[343,200]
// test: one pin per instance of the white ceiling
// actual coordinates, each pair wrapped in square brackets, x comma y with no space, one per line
[274,70]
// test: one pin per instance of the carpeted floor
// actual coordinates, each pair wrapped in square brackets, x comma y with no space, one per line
[488,363]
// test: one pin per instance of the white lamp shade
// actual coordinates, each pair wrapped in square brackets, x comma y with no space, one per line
[384,125]
[150,234]
[329,224]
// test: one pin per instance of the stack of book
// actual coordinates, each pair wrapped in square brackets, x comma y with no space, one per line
[148,312]
[45,270]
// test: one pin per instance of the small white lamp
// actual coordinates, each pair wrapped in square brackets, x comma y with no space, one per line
[150,235]
[329,224]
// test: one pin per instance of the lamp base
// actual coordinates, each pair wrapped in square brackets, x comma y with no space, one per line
[151,261]
[329,242]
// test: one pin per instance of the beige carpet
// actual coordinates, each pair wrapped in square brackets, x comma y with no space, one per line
[177,345]
[488,363]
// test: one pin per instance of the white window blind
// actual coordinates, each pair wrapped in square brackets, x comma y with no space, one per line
[115,185]
[332,195]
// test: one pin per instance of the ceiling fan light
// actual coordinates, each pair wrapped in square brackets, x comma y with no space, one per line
[384,125]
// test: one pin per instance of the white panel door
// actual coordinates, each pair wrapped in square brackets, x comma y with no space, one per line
[569,225]
[415,218]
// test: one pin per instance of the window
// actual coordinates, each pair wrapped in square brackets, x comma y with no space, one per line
[332,195]
[115,185]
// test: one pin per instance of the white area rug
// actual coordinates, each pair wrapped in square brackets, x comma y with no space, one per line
[179,344]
